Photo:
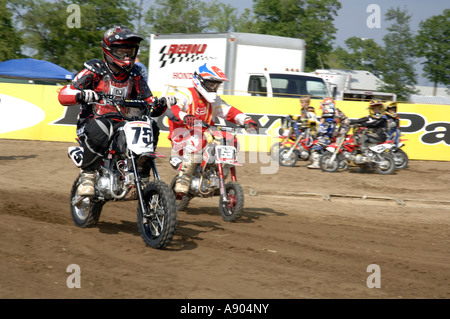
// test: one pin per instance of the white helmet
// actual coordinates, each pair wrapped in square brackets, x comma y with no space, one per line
[207,79]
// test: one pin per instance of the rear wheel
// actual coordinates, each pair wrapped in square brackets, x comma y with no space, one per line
[157,227]
[401,159]
[288,158]
[232,208]
[85,211]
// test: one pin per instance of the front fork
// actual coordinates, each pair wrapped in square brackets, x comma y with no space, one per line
[138,181]
[223,191]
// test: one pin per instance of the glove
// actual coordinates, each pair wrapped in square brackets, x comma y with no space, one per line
[167,101]
[170,100]
[189,120]
[250,126]
[87,96]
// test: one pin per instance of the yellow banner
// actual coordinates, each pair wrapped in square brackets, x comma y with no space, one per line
[33,112]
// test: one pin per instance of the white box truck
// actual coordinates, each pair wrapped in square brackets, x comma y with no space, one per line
[255,64]
[354,85]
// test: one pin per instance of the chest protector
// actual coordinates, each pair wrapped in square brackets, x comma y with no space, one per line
[103,81]
[200,108]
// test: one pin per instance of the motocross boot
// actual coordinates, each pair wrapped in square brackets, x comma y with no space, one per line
[315,157]
[86,186]
[184,178]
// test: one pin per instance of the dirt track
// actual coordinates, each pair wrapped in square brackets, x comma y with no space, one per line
[297,239]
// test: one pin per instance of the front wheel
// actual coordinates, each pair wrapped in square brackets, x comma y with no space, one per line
[287,157]
[326,165]
[384,164]
[231,209]
[274,151]
[158,226]
[85,211]
[401,159]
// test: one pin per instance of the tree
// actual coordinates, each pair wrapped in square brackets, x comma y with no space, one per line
[362,54]
[398,67]
[193,16]
[221,17]
[11,40]
[47,30]
[433,44]
[176,16]
[310,20]
[246,22]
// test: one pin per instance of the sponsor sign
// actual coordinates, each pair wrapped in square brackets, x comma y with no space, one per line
[33,112]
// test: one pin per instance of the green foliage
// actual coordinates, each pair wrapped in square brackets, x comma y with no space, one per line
[433,44]
[175,16]
[362,54]
[46,29]
[11,40]
[193,16]
[310,20]
[398,67]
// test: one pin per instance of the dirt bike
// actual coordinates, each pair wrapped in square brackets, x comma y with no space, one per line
[218,162]
[286,138]
[345,152]
[121,178]
[300,149]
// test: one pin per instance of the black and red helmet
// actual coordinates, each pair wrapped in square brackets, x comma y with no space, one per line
[120,47]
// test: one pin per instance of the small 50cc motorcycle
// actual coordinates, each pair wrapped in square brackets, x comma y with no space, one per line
[119,179]
[290,153]
[218,162]
[345,152]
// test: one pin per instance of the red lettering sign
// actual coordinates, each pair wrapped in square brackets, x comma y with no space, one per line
[186,49]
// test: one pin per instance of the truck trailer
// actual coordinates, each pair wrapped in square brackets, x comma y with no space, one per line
[354,85]
[255,64]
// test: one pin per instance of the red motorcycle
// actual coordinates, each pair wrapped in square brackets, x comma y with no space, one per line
[345,152]
[300,149]
[218,162]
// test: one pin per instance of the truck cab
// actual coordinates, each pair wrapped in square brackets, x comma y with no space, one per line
[288,84]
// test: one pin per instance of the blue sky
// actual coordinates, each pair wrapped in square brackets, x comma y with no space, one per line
[353,15]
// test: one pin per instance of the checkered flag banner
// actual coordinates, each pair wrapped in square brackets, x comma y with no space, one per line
[183,53]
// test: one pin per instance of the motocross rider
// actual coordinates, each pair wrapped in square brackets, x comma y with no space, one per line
[308,118]
[343,123]
[325,131]
[375,124]
[194,105]
[393,122]
[115,77]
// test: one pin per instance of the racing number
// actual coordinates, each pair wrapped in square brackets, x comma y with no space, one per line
[146,135]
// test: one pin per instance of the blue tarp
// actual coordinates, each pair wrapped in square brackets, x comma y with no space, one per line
[34,69]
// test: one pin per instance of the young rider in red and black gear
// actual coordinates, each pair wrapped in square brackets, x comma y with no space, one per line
[114,77]
[196,104]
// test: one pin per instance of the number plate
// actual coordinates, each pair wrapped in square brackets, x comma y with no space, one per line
[226,152]
[139,137]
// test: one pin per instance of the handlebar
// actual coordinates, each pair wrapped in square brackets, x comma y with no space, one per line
[142,105]
[222,127]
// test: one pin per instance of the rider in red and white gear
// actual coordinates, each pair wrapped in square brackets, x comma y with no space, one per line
[114,77]
[194,105]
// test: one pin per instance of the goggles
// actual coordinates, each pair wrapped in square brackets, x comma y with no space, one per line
[211,86]
[121,52]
